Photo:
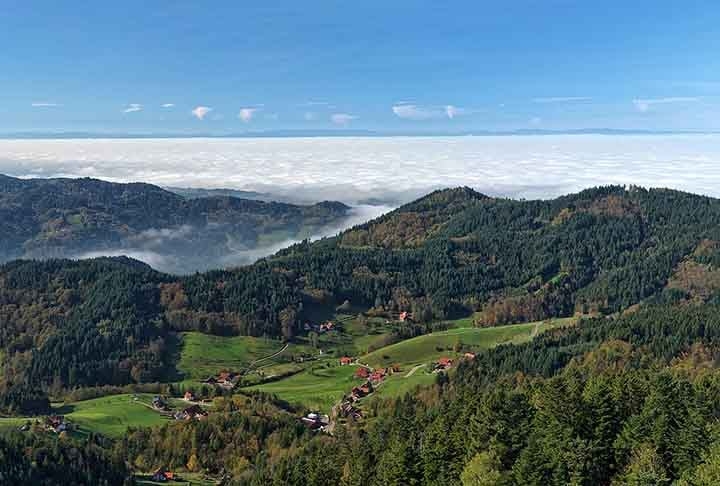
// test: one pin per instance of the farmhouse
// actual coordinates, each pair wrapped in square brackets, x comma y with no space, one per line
[469,355]
[443,364]
[328,326]
[159,403]
[57,424]
[362,372]
[359,392]
[192,412]
[224,379]
[315,421]
[162,475]
[347,409]
[189,396]
[378,375]
[346,360]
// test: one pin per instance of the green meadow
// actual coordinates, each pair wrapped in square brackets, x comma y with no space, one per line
[318,387]
[112,415]
[109,416]
[432,346]
[203,355]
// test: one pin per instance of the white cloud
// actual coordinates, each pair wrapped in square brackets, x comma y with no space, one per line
[247,114]
[453,111]
[45,105]
[309,116]
[315,103]
[168,105]
[644,105]
[415,112]
[342,118]
[562,99]
[133,107]
[536,120]
[199,112]
[412,111]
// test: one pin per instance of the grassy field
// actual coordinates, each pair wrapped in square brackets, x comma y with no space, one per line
[432,346]
[397,385]
[189,479]
[13,422]
[363,344]
[109,416]
[112,415]
[203,355]
[316,388]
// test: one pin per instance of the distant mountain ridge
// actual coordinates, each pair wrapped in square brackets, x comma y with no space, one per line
[43,218]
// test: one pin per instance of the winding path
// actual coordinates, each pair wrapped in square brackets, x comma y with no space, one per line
[412,371]
[253,363]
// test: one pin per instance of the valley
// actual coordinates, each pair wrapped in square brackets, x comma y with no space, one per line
[454,322]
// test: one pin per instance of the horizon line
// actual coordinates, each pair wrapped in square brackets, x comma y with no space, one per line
[301,133]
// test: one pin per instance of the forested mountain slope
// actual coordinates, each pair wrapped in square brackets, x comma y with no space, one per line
[44,218]
[456,251]
[624,401]
[110,321]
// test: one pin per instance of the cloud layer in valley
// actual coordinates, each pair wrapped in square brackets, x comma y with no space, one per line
[175,250]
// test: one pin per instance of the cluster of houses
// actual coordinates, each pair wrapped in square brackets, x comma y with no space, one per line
[57,424]
[162,475]
[315,421]
[348,406]
[224,379]
[377,375]
[322,328]
[193,412]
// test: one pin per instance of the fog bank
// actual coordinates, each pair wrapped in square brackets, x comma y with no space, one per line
[387,170]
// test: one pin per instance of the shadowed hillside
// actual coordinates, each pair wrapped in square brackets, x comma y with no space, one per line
[60,218]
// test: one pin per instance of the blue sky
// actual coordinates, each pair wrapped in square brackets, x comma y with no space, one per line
[391,65]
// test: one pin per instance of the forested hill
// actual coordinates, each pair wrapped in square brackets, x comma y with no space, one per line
[457,251]
[43,218]
[450,253]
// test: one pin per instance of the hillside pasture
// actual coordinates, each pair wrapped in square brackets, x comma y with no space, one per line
[317,388]
[112,415]
[203,355]
[429,347]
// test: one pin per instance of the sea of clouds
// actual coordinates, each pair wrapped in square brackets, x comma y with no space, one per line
[390,169]
[374,174]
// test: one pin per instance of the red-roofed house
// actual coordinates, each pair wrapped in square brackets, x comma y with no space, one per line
[378,375]
[346,360]
[362,372]
[444,363]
